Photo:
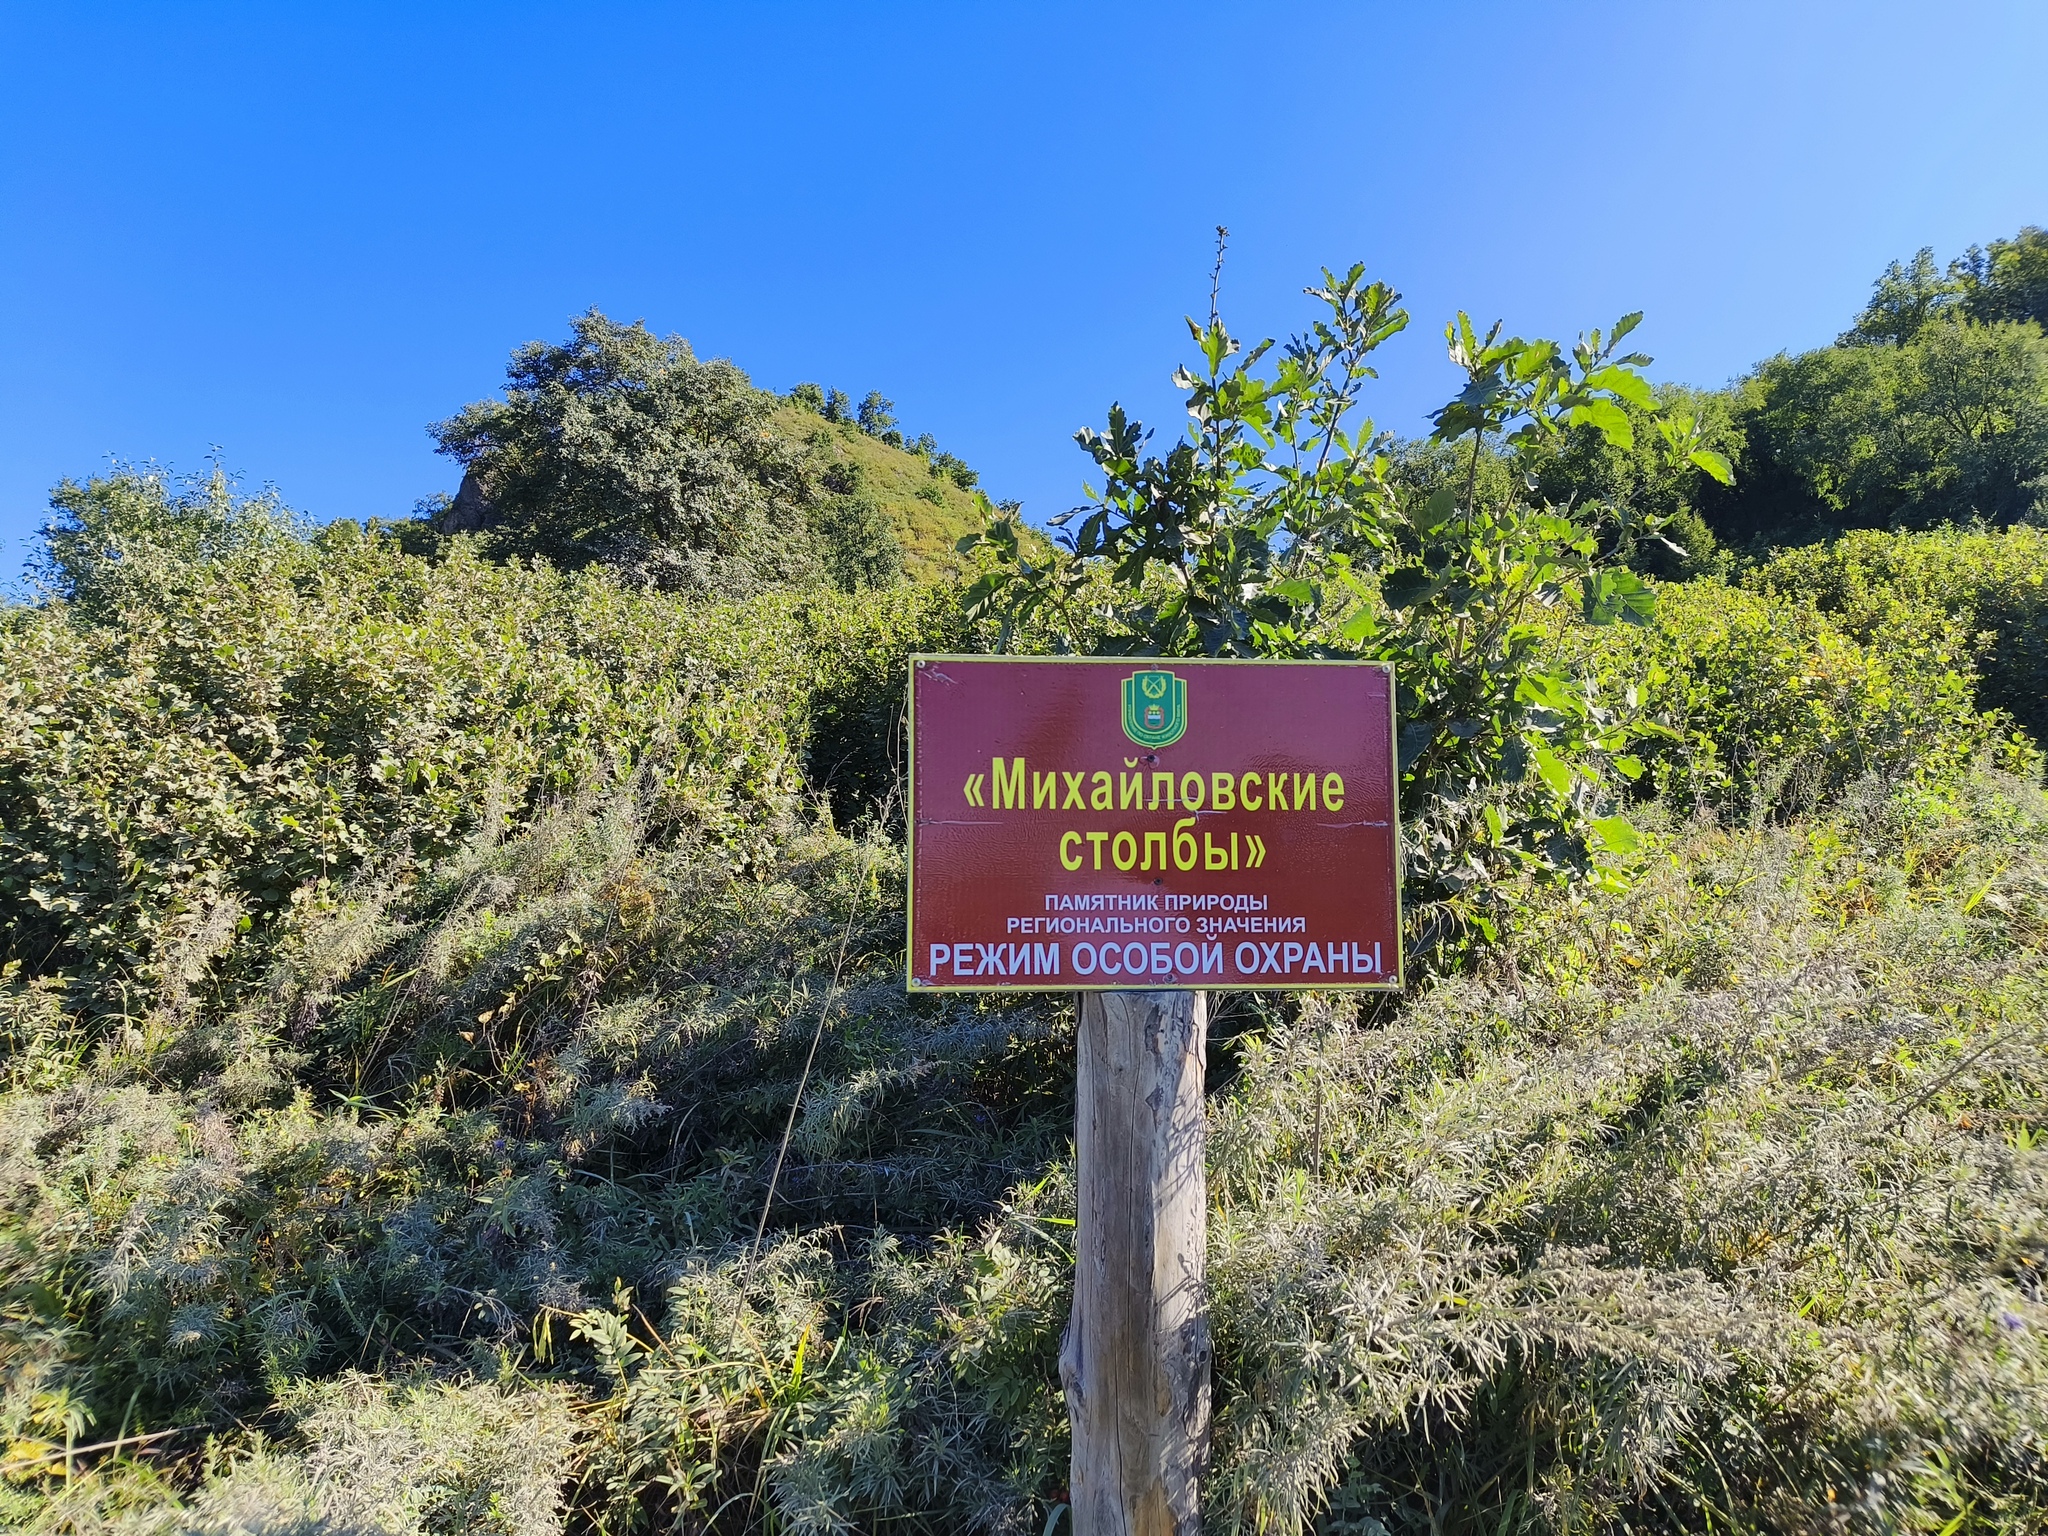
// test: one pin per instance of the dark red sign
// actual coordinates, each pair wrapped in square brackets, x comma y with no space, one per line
[1142,824]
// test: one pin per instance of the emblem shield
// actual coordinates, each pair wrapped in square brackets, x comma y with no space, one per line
[1155,708]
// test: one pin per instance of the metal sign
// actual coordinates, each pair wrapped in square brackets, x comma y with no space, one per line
[1110,823]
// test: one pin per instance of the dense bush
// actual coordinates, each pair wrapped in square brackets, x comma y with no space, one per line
[227,717]
[1276,525]
[1932,408]
[1721,1200]
[1775,705]
[1642,484]
[1717,1206]
[1947,426]
[1993,584]
[861,547]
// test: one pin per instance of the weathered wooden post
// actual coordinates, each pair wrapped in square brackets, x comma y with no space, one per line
[1136,1357]
[1113,827]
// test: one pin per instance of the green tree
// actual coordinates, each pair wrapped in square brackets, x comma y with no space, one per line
[1948,425]
[1904,298]
[2009,279]
[134,533]
[862,550]
[1274,527]
[875,414]
[1928,410]
[1647,499]
[621,447]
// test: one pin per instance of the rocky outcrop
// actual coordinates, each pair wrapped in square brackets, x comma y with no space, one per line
[471,510]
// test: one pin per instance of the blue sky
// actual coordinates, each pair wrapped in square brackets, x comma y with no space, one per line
[301,233]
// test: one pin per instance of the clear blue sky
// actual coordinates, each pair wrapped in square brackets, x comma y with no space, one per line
[302,232]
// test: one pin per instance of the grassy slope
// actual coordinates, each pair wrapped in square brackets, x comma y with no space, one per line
[894,478]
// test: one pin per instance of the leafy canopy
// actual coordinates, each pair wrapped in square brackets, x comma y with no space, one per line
[621,448]
[1930,409]
[1947,425]
[1274,528]
[2007,280]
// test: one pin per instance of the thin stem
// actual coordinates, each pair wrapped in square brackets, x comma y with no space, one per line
[1216,272]
[1472,476]
[71,1452]
[804,1078]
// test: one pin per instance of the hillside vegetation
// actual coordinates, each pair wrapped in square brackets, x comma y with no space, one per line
[1930,411]
[621,449]
[410,951]
[930,512]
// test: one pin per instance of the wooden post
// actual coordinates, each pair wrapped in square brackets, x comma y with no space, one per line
[1135,1361]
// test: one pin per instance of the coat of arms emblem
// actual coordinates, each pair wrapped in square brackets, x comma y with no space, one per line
[1155,708]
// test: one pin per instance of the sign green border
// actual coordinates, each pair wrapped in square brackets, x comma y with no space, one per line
[1399,981]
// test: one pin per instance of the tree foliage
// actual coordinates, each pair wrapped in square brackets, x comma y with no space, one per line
[2005,281]
[133,535]
[876,414]
[1932,408]
[1646,499]
[621,448]
[861,548]
[1275,527]
[1948,425]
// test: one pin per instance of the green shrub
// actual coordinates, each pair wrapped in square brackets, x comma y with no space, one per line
[411,1458]
[859,543]
[856,711]
[1624,1237]
[226,719]
[1273,528]
[1717,1199]
[1778,706]
[464,1105]
[318,856]
[439,1197]
[1993,583]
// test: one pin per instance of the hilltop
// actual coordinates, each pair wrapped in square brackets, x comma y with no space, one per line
[929,510]
[621,449]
